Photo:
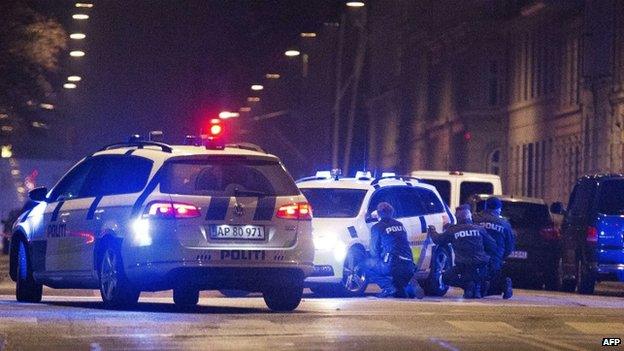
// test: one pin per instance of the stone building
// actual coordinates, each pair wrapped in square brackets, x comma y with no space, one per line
[530,90]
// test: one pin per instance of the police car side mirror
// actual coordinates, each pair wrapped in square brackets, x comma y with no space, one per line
[371,218]
[557,208]
[38,194]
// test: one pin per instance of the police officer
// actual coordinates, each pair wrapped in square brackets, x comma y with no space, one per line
[471,245]
[500,229]
[391,266]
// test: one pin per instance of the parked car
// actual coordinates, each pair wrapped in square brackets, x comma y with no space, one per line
[534,262]
[456,187]
[592,233]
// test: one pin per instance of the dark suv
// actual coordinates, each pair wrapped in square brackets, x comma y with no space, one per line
[533,263]
[593,233]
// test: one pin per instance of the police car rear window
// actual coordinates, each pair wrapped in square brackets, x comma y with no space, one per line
[335,203]
[227,177]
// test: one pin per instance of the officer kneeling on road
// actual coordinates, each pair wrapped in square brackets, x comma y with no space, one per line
[391,265]
[471,245]
[500,230]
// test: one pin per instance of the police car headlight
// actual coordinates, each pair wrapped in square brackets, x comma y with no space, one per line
[326,242]
[340,251]
[141,232]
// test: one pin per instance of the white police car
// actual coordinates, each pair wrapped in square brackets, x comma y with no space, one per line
[147,216]
[344,211]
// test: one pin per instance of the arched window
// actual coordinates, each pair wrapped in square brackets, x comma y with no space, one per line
[494,162]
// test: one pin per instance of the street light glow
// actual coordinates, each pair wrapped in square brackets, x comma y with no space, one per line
[272,76]
[80,16]
[228,114]
[253,99]
[308,35]
[77,36]
[77,53]
[257,87]
[70,86]
[292,53]
[46,106]
[74,78]
[245,109]
[355,3]
[84,4]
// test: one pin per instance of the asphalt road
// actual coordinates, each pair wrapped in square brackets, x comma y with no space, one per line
[531,320]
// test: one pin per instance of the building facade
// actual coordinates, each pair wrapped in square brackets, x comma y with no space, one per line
[529,90]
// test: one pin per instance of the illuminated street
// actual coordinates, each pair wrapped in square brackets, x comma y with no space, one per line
[532,319]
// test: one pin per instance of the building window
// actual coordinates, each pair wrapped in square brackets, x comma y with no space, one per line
[494,162]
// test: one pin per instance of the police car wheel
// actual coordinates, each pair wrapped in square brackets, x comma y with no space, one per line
[234,293]
[115,289]
[284,296]
[26,289]
[440,263]
[354,282]
[185,297]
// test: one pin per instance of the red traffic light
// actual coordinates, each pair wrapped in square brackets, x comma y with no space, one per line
[216,128]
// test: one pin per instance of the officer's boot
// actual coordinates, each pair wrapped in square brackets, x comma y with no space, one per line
[507,289]
[469,290]
[477,291]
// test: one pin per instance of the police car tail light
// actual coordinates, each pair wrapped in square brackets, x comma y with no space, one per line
[299,211]
[592,235]
[172,210]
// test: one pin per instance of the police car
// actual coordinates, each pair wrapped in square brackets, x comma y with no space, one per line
[345,211]
[147,216]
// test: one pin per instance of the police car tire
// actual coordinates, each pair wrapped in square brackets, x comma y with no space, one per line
[432,285]
[357,257]
[185,297]
[234,293]
[26,289]
[123,294]
[285,296]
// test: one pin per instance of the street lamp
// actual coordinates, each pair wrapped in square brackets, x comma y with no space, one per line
[355,3]
[76,53]
[272,76]
[70,86]
[245,109]
[77,36]
[308,35]
[80,16]
[253,99]
[257,87]
[84,4]
[292,53]
[74,78]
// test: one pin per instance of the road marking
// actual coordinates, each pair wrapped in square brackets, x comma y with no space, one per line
[484,327]
[597,327]
[443,344]
[515,339]
[552,342]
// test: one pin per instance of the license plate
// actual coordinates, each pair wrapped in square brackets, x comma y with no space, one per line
[239,232]
[518,254]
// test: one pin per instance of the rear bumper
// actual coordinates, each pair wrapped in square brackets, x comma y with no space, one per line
[611,271]
[168,275]
[327,269]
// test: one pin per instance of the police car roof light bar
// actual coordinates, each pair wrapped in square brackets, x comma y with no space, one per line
[139,144]
[402,178]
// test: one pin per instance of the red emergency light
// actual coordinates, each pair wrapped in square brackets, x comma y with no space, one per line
[214,135]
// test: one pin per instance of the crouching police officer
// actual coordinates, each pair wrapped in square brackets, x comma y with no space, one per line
[471,245]
[499,229]
[391,266]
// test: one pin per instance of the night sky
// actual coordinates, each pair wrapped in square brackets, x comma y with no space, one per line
[169,65]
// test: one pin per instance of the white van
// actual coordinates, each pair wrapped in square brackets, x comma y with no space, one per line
[456,188]
[344,214]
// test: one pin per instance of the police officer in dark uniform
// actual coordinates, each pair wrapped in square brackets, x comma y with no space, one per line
[471,245]
[392,264]
[499,229]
